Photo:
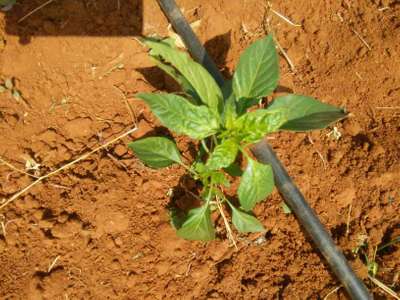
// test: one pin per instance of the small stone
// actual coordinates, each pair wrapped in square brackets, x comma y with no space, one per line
[63,217]
[143,129]
[346,197]
[352,128]
[377,150]
[44,224]
[8,83]
[120,150]
[38,214]
[118,241]
[16,95]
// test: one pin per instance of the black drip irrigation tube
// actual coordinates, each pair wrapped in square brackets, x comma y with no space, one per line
[264,153]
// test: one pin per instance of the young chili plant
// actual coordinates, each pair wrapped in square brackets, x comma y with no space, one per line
[226,122]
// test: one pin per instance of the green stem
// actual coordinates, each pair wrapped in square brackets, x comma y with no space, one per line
[203,143]
[392,242]
[188,169]
[241,149]
[215,140]
[209,196]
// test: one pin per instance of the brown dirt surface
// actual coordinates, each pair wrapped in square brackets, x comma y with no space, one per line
[100,230]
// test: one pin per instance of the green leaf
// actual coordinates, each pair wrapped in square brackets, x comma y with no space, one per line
[253,126]
[306,113]
[243,106]
[256,184]
[156,152]
[234,170]
[205,86]
[218,178]
[182,81]
[181,116]
[198,225]
[229,114]
[286,208]
[257,73]
[223,155]
[176,217]
[227,90]
[7,2]
[245,222]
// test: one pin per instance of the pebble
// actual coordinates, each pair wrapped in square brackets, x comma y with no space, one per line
[120,150]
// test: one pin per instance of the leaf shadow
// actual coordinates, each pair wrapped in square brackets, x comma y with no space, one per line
[185,196]
[158,79]
[218,48]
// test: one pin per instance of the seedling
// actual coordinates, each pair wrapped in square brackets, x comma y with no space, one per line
[226,122]
[372,264]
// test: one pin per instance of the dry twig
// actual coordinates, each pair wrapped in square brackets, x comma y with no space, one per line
[52,264]
[35,10]
[361,39]
[285,55]
[68,165]
[286,19]
[332,292]
[384,287]
[227,226]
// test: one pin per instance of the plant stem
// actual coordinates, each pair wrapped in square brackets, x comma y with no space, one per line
[395,240]
[227,226]
[189,169]
[215,140]
[246,155]
[203,143]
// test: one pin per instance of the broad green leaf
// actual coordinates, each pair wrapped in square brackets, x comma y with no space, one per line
[229,114]
[243,106]
[253,126]
[306,113]
[257,73]
[181,116]
[205,86]
[245,222]
[234,170]
[182,81]
[156,152]
[223,155]
[206,175]
[198,225]
[256,184]
[176,217]
[226,89]
[218,178]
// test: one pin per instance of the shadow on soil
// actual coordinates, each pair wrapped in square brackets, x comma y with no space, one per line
[29,19]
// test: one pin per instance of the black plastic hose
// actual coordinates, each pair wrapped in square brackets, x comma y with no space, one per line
[264,153]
